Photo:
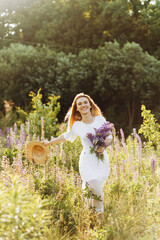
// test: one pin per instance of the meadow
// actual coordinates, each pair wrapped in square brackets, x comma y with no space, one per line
[47,202]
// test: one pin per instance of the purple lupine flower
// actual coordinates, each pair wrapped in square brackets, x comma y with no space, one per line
[17,164]
[1,133]
[123,141]
[7,130]
[134,132]
[12,137]
[28,126]
[91,137]
[130,161]
[137,136]
[153,165]
[30,137]
[8,144]
[122,135]
[38,138]
[15,128]
[117,145]
[139,140]
[17,141]
[98,139]
[78,180]
[22,134]
[135,175]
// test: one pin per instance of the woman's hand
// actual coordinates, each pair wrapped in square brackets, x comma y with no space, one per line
[100,150]
[54,141]
[49,143]
[109,139]
[45,142]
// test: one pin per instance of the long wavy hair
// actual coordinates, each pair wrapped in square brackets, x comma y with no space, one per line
[73,115]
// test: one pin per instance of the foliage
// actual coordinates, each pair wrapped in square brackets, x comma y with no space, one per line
[42,119]
[118,78]
[10,153]
[150,128]
[128,76]
[73,25]
[23,214]
[131,193]
[25,69]
[8,120]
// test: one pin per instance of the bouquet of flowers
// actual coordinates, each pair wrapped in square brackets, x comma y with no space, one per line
[98,139]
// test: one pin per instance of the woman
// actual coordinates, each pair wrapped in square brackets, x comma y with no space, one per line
[83,116]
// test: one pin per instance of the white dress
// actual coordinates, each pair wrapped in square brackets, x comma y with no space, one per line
[90,166]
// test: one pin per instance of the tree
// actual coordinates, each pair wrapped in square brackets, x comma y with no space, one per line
[130,75]
[72,25]
[25,68]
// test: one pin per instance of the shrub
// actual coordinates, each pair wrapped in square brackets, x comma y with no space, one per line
[150,128]
[22,215]
[42,120]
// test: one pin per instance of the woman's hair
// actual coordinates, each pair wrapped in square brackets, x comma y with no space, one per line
[73,115]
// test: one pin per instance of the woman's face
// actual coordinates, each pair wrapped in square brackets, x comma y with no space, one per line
[83,105]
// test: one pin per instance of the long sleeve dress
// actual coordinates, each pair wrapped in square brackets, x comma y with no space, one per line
[90,166]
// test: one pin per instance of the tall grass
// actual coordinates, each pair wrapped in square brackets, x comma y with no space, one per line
[47,202]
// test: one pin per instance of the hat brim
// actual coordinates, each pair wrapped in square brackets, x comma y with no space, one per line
[36,152]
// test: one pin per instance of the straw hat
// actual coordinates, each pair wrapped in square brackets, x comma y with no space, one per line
[37,152]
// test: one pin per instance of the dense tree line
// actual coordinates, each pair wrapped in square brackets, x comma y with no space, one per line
[118,78]
[74,25]
[94,46]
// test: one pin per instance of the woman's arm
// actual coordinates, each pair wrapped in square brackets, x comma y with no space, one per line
[54,141]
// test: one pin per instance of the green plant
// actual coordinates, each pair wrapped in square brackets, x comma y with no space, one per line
[23,215]
[150,128]
[43,117]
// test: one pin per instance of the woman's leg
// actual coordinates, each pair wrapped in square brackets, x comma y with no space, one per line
[96,185]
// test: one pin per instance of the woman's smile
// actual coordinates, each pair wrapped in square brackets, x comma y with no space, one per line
[84,108]
[83,105]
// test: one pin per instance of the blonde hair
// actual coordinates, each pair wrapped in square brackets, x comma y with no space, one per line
[73,115]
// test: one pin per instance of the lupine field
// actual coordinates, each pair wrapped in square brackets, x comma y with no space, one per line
[47,202]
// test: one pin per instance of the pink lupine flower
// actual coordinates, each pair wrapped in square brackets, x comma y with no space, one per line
[15,128]
[153,165]
[123,141]
[8,144]
[28,126]
[22,134]
[7,130]
[1,133]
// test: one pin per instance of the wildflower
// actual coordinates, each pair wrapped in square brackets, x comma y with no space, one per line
[78,180]
[42,128]
[8,144]
[153,165]
[15,128]
[22,134]
[98,140]
[7,130]
[1,133]
[28,126]
[135,175]
[17,164]
[123,141]
[117,145]
[12,137]
[137,137]
[122,135]
[5,163]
